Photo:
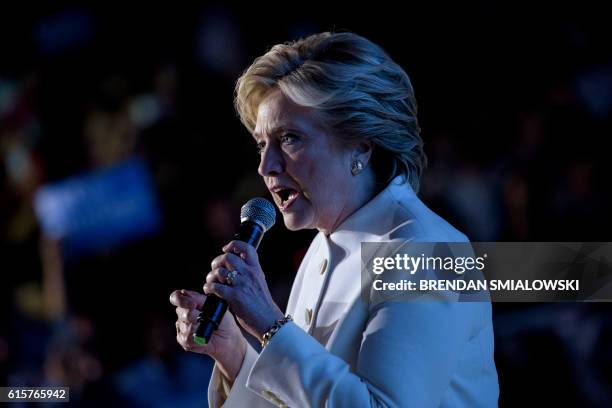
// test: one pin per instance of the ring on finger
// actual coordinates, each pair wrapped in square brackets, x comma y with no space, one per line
[231,278]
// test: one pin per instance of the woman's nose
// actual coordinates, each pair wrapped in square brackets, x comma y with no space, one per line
[271,162]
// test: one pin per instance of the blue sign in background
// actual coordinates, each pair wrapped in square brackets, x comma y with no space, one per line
[100,210]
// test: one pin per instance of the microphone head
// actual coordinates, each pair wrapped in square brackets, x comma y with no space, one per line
[260,211]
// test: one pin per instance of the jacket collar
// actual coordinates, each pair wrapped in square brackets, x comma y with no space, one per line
[375,218]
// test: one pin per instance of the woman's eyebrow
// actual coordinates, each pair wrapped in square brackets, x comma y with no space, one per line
[275,130]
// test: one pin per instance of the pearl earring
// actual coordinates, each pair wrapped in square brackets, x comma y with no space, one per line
[356,167]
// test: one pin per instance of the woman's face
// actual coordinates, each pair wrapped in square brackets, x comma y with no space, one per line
[304,166]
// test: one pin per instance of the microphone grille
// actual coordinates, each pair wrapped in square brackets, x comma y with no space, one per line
[259,210]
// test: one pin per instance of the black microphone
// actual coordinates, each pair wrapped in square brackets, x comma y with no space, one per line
[257,216]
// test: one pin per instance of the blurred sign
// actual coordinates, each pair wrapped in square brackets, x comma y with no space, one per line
[100,210]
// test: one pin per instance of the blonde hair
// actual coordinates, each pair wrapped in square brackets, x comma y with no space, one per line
[360,91]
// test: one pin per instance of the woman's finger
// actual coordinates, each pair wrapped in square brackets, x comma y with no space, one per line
[217,275]
[187,315]
[245,251]
[187,299]
[185,341]
[183,327]
[222,291]
[228,261]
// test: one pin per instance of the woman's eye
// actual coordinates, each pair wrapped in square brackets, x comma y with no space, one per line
[288,138]
[260,147]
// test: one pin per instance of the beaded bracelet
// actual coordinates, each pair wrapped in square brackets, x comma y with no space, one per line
[265,339]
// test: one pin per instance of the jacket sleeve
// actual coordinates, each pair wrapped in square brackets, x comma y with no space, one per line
[408,354]
[220,393]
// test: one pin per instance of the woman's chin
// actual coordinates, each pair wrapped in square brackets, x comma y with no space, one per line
[295,221]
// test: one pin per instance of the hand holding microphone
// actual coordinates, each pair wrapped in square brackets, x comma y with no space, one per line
[237,278]
[248,297]
[227,346]
[237,281]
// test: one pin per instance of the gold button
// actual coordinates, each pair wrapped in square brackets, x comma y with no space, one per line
[308,315]
[279,402]
[323,266]
[273,398]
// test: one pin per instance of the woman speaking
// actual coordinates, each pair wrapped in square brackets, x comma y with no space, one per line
[335,122]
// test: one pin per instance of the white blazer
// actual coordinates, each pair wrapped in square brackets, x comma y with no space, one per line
[343,352]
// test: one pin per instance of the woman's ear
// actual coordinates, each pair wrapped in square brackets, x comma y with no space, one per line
[363,152]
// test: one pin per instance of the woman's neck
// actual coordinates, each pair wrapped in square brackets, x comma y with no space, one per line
[361,194]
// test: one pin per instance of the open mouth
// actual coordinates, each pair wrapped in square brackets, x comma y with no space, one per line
[287,197]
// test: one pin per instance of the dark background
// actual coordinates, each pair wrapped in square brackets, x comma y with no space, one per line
[515,105]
